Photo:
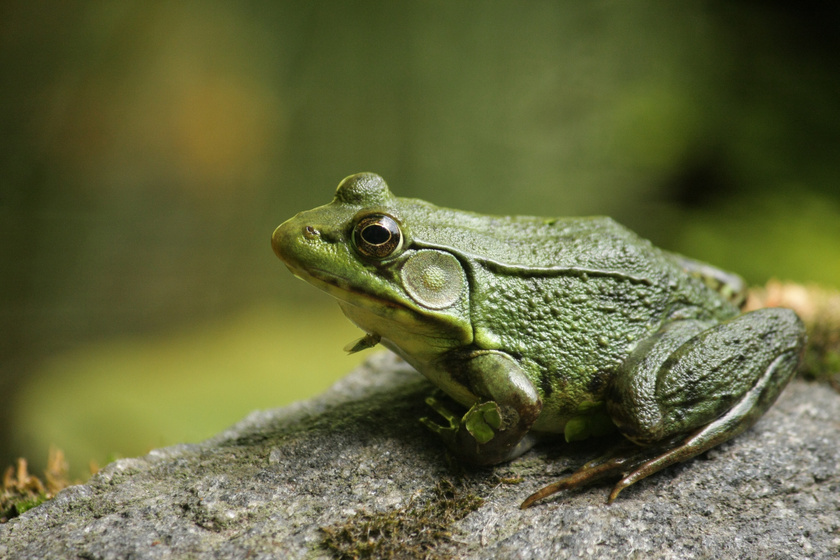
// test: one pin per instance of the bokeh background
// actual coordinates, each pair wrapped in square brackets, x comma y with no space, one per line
[149,148]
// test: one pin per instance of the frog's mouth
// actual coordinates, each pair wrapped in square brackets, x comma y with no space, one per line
[341,288]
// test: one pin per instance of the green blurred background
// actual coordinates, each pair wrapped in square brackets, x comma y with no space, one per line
[149,149]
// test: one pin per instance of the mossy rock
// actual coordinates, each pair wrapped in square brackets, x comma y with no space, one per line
[353,472]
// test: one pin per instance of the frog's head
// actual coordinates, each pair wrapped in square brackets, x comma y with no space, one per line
[359,249]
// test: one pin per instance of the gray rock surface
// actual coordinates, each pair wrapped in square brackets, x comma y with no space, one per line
[357,462]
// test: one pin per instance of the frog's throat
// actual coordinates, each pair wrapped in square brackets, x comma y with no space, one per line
[392,314]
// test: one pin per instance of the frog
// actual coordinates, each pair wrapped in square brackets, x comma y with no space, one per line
[547,328]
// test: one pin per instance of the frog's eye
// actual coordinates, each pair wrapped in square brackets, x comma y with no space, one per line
[377,236]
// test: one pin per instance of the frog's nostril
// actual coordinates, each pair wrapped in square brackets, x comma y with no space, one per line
[310,232]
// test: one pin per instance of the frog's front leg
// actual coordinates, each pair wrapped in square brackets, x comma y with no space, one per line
[691,387]
[495,429]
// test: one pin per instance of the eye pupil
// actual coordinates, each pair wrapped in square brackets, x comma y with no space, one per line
[377,236]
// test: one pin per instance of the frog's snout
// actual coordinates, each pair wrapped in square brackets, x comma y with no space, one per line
[276,241]
[291,237]
[283,238]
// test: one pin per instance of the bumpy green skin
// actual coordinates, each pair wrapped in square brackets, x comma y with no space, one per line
[568,325]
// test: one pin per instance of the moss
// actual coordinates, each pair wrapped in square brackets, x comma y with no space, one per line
[22,491]
[819,309]
[415,531]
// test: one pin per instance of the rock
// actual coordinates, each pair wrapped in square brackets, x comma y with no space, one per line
[355,470]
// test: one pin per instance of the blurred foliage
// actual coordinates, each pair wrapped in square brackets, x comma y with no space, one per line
[149,149]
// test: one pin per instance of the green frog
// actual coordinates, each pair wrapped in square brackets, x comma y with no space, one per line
[537,326]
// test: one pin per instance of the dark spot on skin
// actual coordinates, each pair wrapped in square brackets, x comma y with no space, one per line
[598,382]
[545,385]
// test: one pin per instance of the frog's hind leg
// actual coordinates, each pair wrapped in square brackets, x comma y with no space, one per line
[739,418]
[691,387]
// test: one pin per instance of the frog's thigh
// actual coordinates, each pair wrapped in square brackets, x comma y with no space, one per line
[689,375]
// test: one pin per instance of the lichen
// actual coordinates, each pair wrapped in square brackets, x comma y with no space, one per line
[416,531]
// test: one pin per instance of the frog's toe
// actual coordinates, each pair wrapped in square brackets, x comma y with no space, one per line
[624,459]
[580,477]
[452,420]
[435,427]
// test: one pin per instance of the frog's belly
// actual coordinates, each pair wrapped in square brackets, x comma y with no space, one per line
[556,415]
[440,377]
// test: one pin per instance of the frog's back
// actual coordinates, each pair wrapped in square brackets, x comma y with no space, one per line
[534,243]
[596,245]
